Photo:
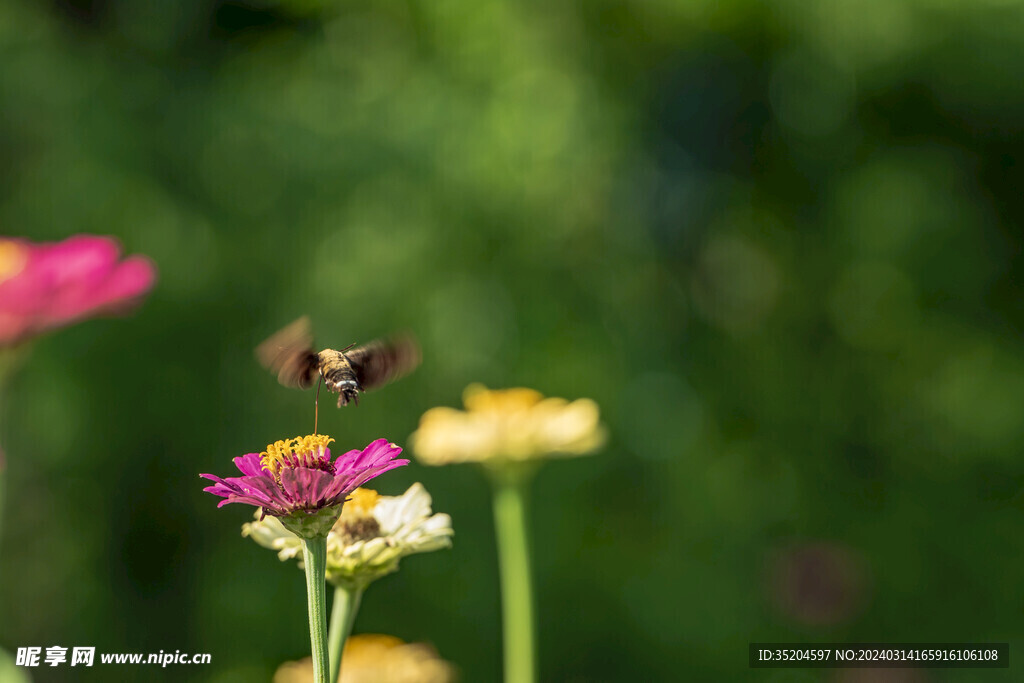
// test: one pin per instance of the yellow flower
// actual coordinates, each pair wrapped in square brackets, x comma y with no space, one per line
[372,658]
[507,425]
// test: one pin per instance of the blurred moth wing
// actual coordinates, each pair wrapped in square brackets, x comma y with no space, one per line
[289,354]
[384,360]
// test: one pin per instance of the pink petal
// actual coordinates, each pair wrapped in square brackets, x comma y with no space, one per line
[130,280]
[250,464]
[376,471]
[346,483]
[262,485]
[375,453]
[248,500]
[305,486]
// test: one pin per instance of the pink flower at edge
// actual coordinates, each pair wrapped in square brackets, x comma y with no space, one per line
[297,479]
[48,285]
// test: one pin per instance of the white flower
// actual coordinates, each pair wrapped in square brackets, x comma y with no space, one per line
[373,533]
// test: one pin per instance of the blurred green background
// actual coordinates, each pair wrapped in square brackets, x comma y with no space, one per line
[779,243]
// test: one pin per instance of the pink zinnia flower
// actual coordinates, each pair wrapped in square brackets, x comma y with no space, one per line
[49,285]
[296,480]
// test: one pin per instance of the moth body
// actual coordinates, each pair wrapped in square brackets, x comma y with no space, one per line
[339,376]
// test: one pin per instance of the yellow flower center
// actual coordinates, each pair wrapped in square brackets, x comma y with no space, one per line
[13,257]
[302,451]
[357,522]
[361,502]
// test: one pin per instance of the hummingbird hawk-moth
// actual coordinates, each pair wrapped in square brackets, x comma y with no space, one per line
[290,354]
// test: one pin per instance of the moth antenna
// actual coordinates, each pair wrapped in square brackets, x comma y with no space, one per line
[316,404]
[348,347]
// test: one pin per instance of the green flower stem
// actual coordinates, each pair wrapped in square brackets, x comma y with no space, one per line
[343,614]
[314,555]
[516,589]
